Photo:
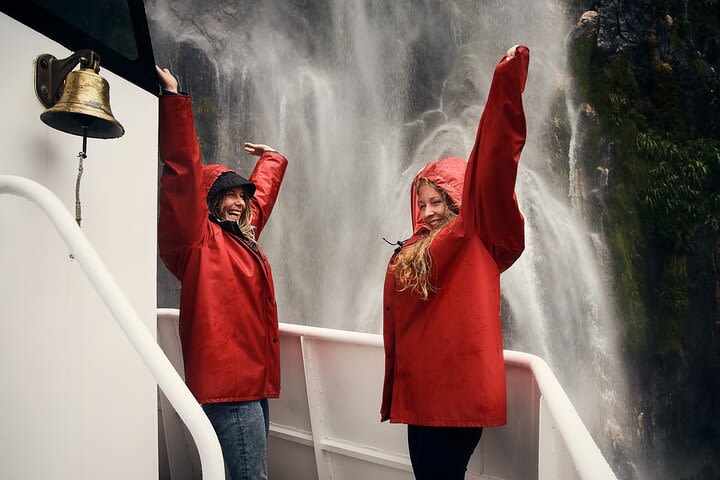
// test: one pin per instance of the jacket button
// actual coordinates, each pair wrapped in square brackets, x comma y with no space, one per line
[274,340]
[269,298]
[387,309]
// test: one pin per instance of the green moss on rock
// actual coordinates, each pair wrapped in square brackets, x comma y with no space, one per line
[664,185]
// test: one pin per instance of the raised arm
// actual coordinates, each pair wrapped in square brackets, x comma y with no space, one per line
[267,177]
[183,211]
[489,207]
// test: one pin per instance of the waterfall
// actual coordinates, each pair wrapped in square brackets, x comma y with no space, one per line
[359,95]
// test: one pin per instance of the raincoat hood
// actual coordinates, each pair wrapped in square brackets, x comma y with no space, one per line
[449,175]
[217,177]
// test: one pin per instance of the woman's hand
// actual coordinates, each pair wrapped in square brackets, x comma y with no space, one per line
[257,148]
[511,53]
[167,81]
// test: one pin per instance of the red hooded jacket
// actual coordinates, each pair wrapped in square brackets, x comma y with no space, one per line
[228,315]
[444,354]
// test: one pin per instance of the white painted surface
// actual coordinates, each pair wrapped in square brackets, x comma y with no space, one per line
[326,423]
[77,402]
[143,341]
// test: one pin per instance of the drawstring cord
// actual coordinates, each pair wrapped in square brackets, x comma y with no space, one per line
[399,243]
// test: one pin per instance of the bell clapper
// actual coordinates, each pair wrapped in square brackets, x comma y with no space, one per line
[82,155]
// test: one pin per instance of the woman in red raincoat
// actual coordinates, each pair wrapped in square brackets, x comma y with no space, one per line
[444,369]
[210,220]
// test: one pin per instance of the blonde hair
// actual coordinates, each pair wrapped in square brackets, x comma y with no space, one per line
[412,265]
[245,220]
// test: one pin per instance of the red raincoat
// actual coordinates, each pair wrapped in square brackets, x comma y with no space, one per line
[444,355]
[228,315]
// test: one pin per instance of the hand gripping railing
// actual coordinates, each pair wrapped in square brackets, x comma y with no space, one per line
[143,342]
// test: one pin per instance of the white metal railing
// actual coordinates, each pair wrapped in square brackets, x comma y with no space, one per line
[588,461]
[586,457]
[561,442]
[141,339]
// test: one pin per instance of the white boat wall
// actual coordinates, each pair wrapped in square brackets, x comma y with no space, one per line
[77,402]
[326,423]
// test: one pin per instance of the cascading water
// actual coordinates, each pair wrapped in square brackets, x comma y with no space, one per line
[359,95]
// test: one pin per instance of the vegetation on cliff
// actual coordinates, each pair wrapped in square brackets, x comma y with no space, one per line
[650,74]
[665,184]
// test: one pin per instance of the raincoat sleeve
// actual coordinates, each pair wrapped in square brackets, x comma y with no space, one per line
[489,207]
[267,177]
[183,212]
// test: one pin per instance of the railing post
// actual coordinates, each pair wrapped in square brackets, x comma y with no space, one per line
[317,410]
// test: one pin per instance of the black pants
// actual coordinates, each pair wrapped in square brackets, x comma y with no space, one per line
[441,453]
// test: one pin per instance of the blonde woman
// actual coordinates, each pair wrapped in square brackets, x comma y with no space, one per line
[444,369]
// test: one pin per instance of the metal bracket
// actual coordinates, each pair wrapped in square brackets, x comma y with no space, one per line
[50,73]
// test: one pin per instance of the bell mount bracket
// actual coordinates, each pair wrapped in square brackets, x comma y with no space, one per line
[50,73]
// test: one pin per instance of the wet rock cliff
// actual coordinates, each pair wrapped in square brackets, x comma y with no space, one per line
[646,85]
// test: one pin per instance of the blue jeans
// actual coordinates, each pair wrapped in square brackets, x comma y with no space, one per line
[242,428]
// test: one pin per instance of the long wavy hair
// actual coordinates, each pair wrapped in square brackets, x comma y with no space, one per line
[245,220]
[412,265]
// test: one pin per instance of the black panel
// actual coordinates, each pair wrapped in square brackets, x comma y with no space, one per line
[117,30]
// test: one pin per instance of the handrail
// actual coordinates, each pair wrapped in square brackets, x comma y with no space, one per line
[586,456]
[167,377]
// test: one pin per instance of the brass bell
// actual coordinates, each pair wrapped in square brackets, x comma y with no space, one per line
[85,99]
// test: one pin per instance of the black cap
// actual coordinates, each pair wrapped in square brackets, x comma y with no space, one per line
[230,180]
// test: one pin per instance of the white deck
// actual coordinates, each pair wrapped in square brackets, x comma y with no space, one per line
[326,422]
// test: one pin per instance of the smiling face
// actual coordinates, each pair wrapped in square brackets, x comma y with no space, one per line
[232,205]
[433,208]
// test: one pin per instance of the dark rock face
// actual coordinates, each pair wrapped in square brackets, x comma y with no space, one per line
[634,28]
[622,24]
[670,54]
